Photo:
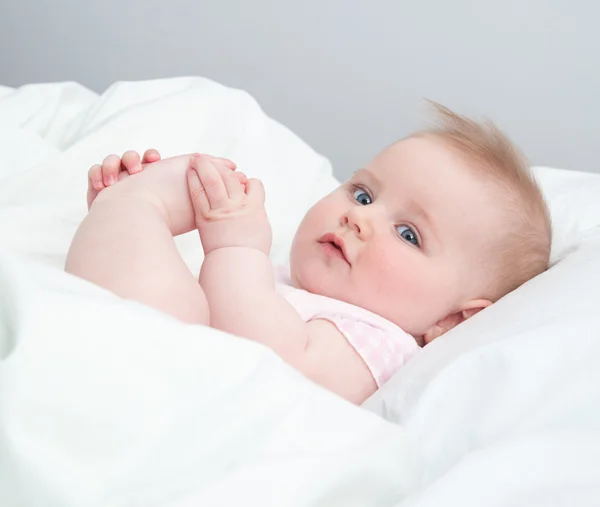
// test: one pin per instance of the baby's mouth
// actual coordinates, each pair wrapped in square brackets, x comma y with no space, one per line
[334,246]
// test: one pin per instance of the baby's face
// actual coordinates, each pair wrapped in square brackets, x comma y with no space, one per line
[404,237]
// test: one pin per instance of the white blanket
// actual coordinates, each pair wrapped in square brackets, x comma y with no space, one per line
[106,402]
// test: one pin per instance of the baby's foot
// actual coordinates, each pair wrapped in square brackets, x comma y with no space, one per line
[114,169]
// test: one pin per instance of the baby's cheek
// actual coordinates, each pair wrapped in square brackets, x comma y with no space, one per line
[418,287]
[394,269]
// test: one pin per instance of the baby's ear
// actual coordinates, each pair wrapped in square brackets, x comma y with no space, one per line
[447,323]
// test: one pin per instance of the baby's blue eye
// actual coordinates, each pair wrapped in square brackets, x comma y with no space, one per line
[362,197]
[407,234]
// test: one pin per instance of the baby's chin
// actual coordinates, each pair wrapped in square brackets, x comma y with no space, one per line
[325,284]
[302,280]
[305,278]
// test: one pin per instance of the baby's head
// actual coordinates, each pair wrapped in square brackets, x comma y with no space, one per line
[437,227]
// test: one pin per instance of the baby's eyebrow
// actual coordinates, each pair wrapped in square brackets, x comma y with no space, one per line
[363,171]
[421,212]
[414,206]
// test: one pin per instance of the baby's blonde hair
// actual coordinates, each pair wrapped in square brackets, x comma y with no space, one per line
[522,249]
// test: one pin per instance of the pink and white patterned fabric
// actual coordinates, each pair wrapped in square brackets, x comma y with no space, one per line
[382,345]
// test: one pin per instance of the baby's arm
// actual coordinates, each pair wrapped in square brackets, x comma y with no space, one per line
[238,281]
[125,244]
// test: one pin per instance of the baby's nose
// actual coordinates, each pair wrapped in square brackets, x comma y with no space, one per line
[345,221]
[357,219]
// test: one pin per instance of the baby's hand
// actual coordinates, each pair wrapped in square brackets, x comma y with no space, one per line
[229,209]
[114,169]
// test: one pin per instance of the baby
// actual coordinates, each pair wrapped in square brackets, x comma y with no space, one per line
[436,228]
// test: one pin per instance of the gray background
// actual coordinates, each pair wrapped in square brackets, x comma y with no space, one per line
[347,76]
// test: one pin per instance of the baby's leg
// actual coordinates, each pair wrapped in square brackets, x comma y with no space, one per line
[125,246]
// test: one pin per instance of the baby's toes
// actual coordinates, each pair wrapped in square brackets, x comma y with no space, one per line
[95,177]
[131,162]
[111,166]
[150,156]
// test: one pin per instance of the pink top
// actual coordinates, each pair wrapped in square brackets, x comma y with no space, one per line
[381,344]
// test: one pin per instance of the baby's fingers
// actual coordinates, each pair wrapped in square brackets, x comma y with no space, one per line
[233,182]
[211,180]
[230,164]
[241,177]
[197,193]
[131,162]
[255,191]
[111,166]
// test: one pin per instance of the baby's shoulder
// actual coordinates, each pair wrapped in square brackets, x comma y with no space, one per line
[383,346]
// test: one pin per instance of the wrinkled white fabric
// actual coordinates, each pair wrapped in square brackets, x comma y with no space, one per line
[107,403]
